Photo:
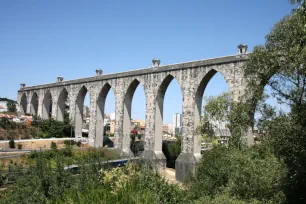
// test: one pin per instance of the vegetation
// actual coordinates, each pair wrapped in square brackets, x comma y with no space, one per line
[11,104]
[46,181]
[272,171]
[12,144]
[280,64]
[245,174]
[11,130]
[171,151]
[38,129]
[19,146]
[52,128]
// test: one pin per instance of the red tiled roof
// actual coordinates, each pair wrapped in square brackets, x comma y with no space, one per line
[7,116]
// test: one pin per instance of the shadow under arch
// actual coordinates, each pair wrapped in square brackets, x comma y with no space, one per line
[79,106]
[159,112]
[47,106]
[198,106]
[100,114]
[23,104]
[62,105]
[34,104]
[127,110]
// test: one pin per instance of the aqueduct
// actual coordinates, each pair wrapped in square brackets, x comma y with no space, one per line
[49,100]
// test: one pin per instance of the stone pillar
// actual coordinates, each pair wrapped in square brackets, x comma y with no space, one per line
[190,155]
[121,143]
[92,119]
[119,115]
[99,121]
[72,98]
[153,132]
[34,104]
[40,103]
[28,103]
[54,108]
[18,107]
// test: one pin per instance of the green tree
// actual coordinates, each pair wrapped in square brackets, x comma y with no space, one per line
[12,144]
[246,174]
[221,109]
[280,64]
[11,104]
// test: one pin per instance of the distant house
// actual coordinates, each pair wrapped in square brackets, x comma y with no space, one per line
[3,106]
[9,117]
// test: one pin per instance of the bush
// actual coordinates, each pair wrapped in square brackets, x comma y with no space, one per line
[172,150]
[72,142]
[78,143]
[53,146]
[107,142]
[248,174]
[19,146]
[12,143]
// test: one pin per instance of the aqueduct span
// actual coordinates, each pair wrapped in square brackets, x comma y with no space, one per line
[48,100]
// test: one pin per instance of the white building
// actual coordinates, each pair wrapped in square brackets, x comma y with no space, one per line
[177,123]
[170,129]
[112,116]
[3,106]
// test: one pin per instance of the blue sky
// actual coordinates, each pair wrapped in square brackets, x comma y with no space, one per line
[43,39]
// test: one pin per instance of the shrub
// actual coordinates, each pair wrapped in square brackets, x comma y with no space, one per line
[53,146]
[172,151]
[19,146]
[248,174]
[12,143]
[78,143]
[107,142]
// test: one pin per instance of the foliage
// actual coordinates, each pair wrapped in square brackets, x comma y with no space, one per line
[53,146]
[137,147]
[46,181]
[280,64]
[107,142]
[72,142]
[171,151]
[12,143]
[222,110]
[144,180]
[11,104]
[7,124]
[53,128]
[19,146]
[245,174]
[224,198]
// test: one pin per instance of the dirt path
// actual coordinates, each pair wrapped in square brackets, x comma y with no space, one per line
[169,174]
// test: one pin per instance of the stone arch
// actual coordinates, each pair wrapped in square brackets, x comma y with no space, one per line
[198,103]
[23,103]
[62,104]
[34,104]
[100,114]
[160,109]
[47,105]
[127,110]
[79,106]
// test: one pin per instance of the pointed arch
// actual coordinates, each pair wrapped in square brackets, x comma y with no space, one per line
[23,103]
[47,105]
[79,111]
[198,104]
[160,111]
[127,110]
[34,104]
[62,105]
[100,114]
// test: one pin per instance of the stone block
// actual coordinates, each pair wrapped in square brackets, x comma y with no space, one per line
[185,165]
